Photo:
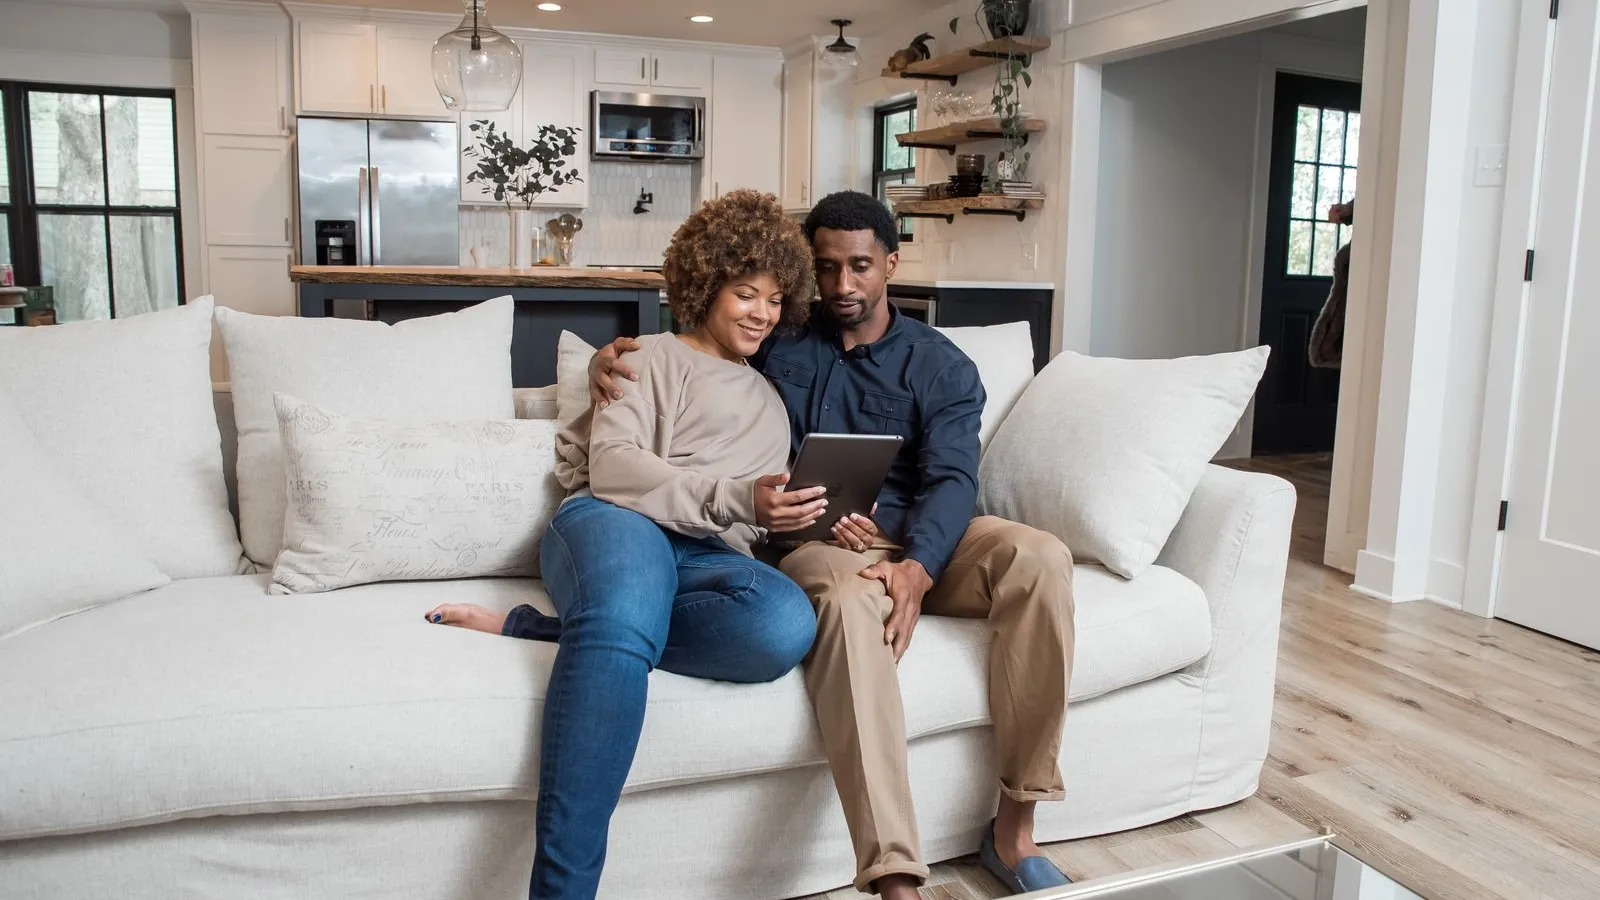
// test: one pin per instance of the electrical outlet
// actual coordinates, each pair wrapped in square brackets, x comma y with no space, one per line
[1491,166]
[1030,256]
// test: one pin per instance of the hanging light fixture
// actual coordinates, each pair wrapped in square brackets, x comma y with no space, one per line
[841,54]
[476,68]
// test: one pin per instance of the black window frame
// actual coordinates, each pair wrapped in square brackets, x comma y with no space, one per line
[24,209]
[880,175]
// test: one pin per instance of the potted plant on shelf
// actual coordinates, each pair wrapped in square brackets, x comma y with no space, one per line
[1002,19]
[522,175]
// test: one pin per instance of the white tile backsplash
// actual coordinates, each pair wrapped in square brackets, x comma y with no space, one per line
[612,234]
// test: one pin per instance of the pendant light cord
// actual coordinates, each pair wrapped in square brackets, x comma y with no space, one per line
[477,42]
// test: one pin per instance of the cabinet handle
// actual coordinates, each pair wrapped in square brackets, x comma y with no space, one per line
[657,76]
[385,94]
[286,238]
[641,68]
[372,97]
[282,124]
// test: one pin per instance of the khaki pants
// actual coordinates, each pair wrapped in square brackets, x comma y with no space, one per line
[1020,579]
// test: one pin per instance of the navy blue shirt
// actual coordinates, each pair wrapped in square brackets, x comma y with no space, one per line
[913,382]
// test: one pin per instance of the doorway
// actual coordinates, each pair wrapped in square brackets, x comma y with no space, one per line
[1316,128]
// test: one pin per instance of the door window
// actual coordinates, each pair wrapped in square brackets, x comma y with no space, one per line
[1325,150]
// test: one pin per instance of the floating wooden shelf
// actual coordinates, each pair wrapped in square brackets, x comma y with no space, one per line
[949,137]
[952,65]
[982,205]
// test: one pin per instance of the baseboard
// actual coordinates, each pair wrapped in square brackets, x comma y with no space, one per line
[1446,583]
[1381,578]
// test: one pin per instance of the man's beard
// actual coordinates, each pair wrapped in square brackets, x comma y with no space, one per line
[864,310]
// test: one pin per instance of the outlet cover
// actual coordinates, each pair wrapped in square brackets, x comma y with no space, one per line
[1490,168]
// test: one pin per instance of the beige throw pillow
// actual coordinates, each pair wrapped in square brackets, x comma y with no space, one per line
[371,500]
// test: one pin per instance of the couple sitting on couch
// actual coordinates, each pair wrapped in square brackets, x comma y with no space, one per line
[678,472]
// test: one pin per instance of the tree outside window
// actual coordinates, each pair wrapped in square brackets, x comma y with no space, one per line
[892,163]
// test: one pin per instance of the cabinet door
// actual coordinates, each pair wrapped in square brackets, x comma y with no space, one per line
[241,74]
[621,65]
[251,279]
[555,80]
[798,92]
[508,122]
[249,185]
[746,125]
[405,72]
[338,67]
[683,71]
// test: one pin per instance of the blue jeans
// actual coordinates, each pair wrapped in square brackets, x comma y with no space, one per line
[634,597]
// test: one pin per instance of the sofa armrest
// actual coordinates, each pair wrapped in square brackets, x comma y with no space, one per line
[1233,541]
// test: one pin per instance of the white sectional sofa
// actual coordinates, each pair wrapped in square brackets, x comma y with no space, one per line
[206,739]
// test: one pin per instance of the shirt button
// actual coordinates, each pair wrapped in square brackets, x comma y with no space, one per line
[841,361]
[788,371]
[827,407]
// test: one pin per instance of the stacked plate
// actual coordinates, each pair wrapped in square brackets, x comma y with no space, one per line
[900,193]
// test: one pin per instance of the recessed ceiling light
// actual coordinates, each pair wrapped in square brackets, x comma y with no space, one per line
[701,20]
[550,7]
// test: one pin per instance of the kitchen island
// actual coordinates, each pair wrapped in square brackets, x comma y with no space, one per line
[597,305]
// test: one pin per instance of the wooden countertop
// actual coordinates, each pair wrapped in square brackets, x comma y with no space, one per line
[451,276]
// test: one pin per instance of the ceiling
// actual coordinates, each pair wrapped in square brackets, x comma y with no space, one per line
[773,23]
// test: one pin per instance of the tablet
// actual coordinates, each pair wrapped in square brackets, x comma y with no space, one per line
[851,467]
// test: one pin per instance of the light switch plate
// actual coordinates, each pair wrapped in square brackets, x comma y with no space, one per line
[1490,167]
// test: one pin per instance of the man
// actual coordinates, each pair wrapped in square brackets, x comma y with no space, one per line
[860,367]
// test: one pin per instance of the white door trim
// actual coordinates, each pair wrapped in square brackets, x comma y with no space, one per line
[1530,97]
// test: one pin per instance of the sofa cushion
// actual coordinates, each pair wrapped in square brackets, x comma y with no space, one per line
[371,500]
[125,407]
[1004,357]
[451,366]
[210,697]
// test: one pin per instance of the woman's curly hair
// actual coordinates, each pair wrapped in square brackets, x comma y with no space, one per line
[745,232]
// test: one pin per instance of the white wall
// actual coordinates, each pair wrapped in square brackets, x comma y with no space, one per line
[1177,167]
[52,28]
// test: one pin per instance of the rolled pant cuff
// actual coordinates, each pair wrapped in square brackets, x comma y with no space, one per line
[1027,796]
[914,869]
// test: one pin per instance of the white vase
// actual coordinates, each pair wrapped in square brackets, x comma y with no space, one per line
[513,245]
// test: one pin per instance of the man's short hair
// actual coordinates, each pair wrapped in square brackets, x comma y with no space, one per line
[854,211]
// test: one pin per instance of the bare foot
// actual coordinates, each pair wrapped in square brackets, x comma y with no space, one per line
[897,887]
[1013,832]
[469,616]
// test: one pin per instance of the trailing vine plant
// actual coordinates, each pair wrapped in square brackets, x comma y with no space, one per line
[1011,77]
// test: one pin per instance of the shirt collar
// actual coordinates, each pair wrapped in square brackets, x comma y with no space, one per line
[878,352]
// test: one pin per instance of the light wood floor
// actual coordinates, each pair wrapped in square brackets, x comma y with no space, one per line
[1461,753]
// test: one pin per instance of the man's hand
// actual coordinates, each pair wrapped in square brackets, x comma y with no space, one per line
[603,366]
[906,581]
[855,531]
[778,510]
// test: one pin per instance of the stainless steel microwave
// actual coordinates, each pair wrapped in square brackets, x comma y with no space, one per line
[648,126]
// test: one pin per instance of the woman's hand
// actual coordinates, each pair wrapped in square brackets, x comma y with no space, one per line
[856,532]
[778,510]
[603,366]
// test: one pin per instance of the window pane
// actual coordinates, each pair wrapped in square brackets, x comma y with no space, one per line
[72,256]
[144,263]
[1332,136]
[1352,144]
[139,142]
[5,169]
[1299,248]
[1305,134]
[68,166]
[5,237]
[1327,244]
[1329,190]
[1304,202]
[1344,235]
[1349,185]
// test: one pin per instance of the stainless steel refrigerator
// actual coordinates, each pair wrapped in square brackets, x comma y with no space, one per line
[390,188]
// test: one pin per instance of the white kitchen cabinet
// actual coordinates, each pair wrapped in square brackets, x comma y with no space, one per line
[251,279]
[510,122]
[405,72]
[248,190]
[679,70]
[338,67]
[555,91]
[640,67]
[746,140]
[816,131]
[241,73]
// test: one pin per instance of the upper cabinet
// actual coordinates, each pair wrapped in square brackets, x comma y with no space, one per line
[746,141]
[242,74]
[555,91]
[353,67]
[816,110]
[641,67]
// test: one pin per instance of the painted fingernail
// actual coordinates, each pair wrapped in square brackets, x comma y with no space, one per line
[438,617]
[616,395]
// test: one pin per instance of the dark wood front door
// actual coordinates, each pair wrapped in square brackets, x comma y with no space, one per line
[1316,128]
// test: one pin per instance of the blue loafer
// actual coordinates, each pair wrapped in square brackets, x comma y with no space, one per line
[1032,874]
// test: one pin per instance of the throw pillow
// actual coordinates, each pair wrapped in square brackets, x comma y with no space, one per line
[1004,357]
[451,366]
[59,553]
[572,376]
[383,501]
[124,406]
[1105,453]
[536,403]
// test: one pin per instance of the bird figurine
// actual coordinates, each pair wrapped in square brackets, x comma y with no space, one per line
[917,52]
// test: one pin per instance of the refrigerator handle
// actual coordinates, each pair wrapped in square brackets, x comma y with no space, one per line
[377,220]
[363,248]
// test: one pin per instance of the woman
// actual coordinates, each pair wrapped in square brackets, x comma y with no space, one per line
[649,562]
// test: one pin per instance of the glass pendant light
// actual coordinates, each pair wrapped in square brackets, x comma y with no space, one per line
[476,68]
[841,54]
